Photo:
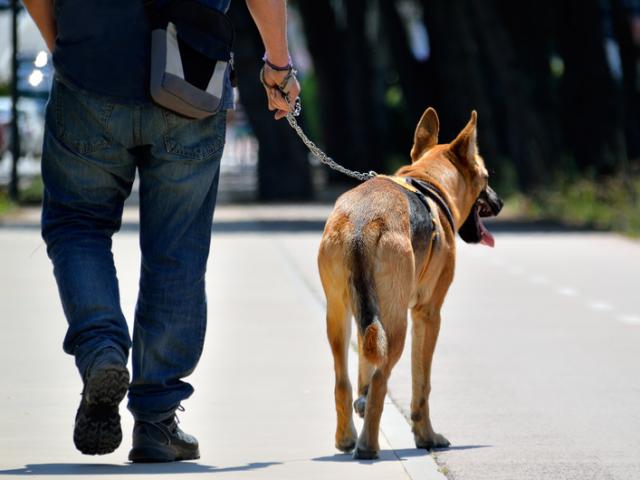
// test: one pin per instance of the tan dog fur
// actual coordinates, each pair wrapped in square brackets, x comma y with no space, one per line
[373,219]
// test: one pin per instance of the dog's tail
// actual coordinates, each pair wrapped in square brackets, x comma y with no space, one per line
[365,306]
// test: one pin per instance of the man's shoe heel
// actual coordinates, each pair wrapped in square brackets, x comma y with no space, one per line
[97,429]
[108,387]
[97,433]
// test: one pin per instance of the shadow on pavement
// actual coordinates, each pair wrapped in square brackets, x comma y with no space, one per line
[394,455]
[384,456]
[66,469]
[317,225]
[268,226]
[219,227]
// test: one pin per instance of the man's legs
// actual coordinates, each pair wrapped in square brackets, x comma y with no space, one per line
[178,186]
[87,177]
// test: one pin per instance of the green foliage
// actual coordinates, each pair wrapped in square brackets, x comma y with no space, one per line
[29,195]
[393,97]
[32,194]
[556,66]
[311,105]
[503,178]
[395,160]
[5,89]
[6,205]
[399,131]
[612,203]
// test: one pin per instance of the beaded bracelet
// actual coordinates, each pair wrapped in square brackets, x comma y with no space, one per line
[275,67]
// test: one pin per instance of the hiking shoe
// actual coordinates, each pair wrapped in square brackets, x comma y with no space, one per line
[97,429]
[162,442]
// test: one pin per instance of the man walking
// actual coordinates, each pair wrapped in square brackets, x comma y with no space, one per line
[102,127]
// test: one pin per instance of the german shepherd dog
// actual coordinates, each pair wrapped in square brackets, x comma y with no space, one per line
[389,246]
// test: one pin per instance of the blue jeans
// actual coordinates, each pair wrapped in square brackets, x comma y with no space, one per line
[92,149]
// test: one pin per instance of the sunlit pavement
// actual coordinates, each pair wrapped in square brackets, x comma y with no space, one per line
[263,406]
[535,375]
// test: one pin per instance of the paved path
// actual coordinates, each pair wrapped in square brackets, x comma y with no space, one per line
[536,373]
[263,407]
[537,370]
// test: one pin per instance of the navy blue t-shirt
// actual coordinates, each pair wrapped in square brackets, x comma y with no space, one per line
[103,46]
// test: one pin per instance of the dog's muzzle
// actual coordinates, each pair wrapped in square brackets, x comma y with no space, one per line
[473,230]
[489,203]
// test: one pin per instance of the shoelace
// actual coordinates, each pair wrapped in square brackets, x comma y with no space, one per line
[180,409]
[175,421]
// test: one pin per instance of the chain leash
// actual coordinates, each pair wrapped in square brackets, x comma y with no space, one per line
[319,154]
[294,112]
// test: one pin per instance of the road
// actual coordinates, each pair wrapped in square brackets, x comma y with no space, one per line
[537,369]
[263,407]
[536,373]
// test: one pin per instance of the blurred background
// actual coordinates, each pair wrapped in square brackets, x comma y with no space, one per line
[556,85]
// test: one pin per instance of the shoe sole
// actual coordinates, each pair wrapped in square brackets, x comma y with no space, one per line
[97,429]
[160,454]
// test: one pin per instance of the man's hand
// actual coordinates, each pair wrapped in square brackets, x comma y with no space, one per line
[272,81]
[270,16]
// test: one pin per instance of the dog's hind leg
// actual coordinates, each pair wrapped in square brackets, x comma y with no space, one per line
[339,333]
[368,446]
[426,326]
[365,372]
[393,282]
[334,277]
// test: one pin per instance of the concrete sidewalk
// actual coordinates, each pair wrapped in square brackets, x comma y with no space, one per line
[263,406]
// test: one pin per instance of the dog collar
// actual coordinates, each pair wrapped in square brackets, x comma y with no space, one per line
[424,189]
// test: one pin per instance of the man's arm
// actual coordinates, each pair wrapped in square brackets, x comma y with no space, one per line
[42,13]
[270,16]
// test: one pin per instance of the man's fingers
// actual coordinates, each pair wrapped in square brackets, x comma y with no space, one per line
[281,104]
[272,98]
[276,100]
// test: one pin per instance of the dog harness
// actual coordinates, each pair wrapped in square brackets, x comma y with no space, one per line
[424,189]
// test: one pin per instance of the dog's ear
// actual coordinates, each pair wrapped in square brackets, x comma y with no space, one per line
[426,135]
[465,146]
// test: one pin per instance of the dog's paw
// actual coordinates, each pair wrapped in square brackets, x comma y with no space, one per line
[433,441]
[346,439]
[359,405]
[364,454]
[346,445]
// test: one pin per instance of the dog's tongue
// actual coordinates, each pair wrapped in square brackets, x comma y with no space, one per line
[485,235]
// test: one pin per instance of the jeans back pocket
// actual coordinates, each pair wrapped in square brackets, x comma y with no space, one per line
[81,118]
[194,139]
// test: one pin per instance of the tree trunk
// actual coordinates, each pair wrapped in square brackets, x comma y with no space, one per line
[529,30]
[363,101]
[283,167]
[630,57]
[459,86]
[414,75]
[325,42]
[525,132]
[590,99]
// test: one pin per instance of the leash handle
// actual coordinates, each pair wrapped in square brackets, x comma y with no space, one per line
[292,72]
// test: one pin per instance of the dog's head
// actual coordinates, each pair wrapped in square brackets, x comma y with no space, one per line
[469,179]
